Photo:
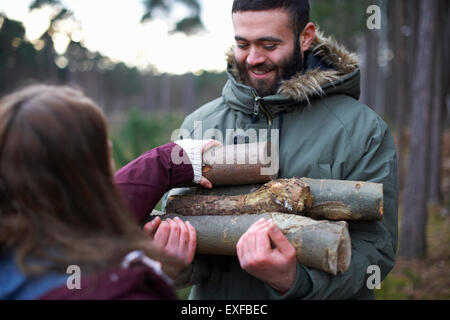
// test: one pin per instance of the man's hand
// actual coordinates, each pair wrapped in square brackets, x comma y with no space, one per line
[276,266]
[175,242]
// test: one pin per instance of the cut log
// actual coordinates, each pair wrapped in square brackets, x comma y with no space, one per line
[324,245]
[345,200]
[332,200]
[238,164]
[281,195]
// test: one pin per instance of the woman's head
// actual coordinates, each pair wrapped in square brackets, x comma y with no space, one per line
[57,196]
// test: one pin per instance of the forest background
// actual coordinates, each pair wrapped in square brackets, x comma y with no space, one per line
[405,79]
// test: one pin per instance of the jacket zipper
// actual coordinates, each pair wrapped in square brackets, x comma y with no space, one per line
[257,106]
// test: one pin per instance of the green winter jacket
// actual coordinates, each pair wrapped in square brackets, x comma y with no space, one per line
[324,133]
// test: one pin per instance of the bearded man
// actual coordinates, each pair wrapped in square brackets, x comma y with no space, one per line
[285,75]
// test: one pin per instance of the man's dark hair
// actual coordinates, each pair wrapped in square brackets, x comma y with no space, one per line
[298,9]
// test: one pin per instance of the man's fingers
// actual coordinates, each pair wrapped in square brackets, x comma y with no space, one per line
[205,183]
[246,246]
[249,239]
[256,225]
[279,240]
[240,252]
[262,241]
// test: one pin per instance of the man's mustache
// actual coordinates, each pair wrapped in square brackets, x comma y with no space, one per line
[262,67]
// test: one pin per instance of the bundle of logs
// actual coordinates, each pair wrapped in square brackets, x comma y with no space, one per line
[312,213]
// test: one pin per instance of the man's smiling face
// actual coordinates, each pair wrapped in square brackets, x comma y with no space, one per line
[266,50]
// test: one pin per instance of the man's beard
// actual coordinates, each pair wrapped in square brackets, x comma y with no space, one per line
[283,71]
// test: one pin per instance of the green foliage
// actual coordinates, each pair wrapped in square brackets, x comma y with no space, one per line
[210,85]
[392,288]
[62,14]
[17,54]
[142,132]
[189,24]
[39,3]
[183,294]
[427,278]
[342,19]
[11,29]
[123,78]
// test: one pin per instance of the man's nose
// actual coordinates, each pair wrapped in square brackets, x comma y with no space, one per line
[255,57]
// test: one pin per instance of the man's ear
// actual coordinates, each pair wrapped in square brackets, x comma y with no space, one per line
[307,36]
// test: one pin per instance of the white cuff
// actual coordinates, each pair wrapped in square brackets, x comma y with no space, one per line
[193,149]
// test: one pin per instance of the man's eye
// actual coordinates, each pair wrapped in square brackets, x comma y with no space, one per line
[270,46]
[242,45]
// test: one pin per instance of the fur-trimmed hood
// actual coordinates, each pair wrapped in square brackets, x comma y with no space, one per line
[328,65]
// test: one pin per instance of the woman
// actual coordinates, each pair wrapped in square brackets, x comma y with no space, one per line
[60,207]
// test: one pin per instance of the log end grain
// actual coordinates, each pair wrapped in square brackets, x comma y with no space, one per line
[325,245]
[344,249]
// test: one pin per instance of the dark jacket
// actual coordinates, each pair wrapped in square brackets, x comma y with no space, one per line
[324,133]
[142,183]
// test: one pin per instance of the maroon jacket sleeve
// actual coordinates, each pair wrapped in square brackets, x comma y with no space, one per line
[143,181]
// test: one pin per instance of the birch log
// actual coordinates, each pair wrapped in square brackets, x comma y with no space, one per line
[323,244]
[239,164]
[345,200]
[330,199]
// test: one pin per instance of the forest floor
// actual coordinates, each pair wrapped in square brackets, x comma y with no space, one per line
[428,278]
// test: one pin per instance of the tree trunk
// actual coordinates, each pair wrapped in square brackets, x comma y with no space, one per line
[434,185]
[189,92]
[382,62]
[369,67]
[319,244]
[414,220]
[331,199]
[149,93]
[165,92]
[400,84]
[239,164]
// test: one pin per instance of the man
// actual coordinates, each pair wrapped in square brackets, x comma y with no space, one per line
[285,75]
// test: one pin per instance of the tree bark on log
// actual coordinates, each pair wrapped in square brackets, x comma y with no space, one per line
[345,200]
[282,195]
[331,199]
[238,164]
[324,245]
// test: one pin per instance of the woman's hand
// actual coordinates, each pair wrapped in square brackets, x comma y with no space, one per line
[175,242]
[208,144]
[194,150]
